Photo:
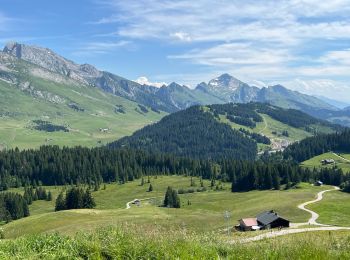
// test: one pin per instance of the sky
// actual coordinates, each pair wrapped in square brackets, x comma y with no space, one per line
[303,45]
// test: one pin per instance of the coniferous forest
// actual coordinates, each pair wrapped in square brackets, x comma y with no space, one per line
[312,146]
[51,165]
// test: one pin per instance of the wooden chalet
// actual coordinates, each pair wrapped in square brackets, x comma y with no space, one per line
[271,219]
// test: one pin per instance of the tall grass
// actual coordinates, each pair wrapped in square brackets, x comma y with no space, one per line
[134,242]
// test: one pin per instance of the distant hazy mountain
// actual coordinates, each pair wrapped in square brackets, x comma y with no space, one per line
[170,98]
[333,102]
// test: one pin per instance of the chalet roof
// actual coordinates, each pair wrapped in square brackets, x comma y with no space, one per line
[268,217]
[249,222]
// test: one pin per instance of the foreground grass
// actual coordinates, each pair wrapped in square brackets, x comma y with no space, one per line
[135,242]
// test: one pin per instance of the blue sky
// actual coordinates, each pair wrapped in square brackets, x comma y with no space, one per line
[304,45]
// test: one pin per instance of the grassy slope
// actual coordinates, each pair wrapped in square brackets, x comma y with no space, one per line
[271,125]
[99,113]
[334,209]
[204,214]
[316,161]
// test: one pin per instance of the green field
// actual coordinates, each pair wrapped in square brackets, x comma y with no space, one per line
[19,108]
[204,214]
[339,162]
[334,209]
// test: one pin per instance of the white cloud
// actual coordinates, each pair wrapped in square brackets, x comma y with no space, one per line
[93,48]
[265,41]
[236,54]
[321,87]
[341,57]
[144,81]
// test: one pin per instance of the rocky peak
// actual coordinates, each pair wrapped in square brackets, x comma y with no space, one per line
[226,81]
[89,69]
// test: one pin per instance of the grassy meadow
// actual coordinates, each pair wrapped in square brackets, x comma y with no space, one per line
[19,109]
[334,209]
[200,211]
[339,162]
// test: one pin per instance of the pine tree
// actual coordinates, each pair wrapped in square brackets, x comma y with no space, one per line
[171,199]
[49,196]
[60,202]
[88,200]
[150,188]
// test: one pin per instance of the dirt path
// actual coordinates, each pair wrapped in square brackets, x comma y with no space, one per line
[287,232]
[341,157]
[130,202]
[262,130]
[312,221]
[314,215]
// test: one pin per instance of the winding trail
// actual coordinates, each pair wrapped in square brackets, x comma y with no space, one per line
[311,221]
[314,215]
[262,130]
[341,157]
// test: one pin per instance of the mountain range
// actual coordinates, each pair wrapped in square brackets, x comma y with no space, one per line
[55,87]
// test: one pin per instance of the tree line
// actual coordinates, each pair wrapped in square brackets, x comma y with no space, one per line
[51,165]
[12,206]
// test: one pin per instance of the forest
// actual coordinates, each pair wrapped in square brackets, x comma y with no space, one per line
[178,134]
[312,146]
[51,165]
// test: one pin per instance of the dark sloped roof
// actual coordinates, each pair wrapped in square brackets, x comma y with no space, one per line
[268,217]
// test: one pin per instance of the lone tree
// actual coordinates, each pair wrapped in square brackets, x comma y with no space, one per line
[150,188]
[171,199]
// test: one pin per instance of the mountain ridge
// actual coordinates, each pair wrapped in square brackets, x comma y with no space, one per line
[173,97]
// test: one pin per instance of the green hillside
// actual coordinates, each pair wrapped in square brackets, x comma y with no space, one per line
[340,160]
[195,131]
[85,111]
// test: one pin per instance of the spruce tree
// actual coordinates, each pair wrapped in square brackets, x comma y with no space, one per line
[49,196]
[150,188]
[60,202]
[88,200]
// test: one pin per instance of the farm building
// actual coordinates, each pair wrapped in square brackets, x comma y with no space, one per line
[271,219]
[318,183]
[264,220]
[248,224]
[327,161]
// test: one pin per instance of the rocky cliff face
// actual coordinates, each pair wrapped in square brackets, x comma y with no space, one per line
[229,89]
